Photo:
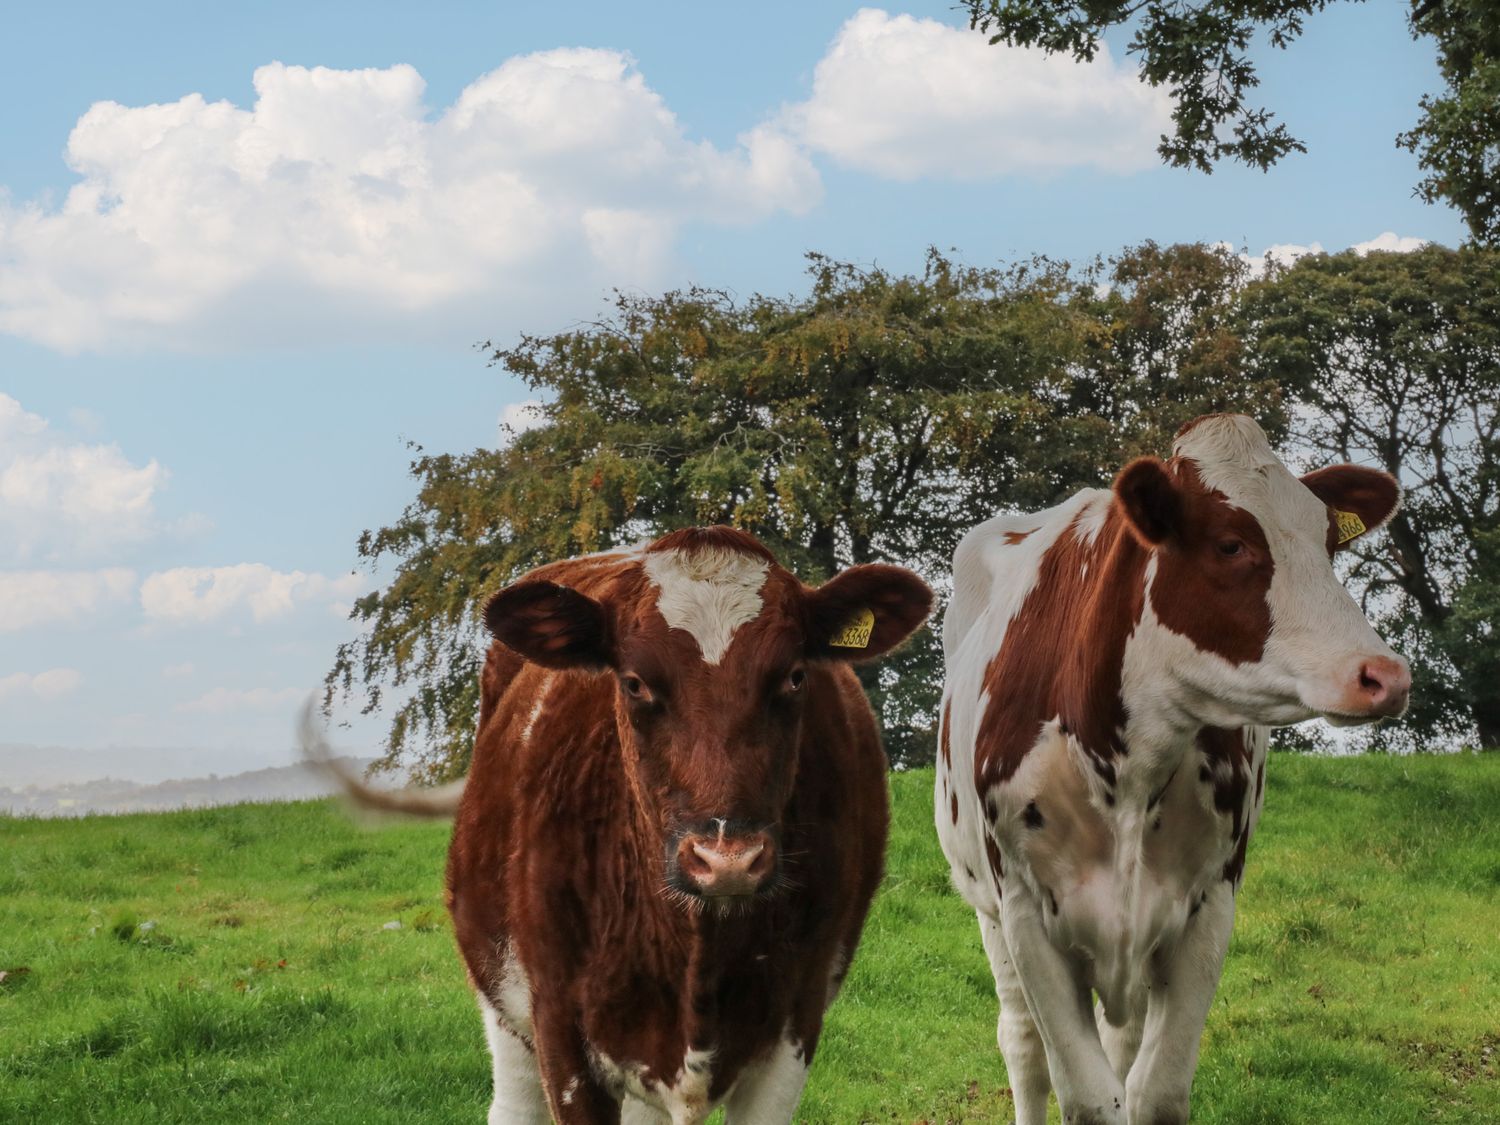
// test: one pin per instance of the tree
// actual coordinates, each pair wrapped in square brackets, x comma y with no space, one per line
[1458,138]
[876,419]
[1167,348]
[1395,361]
[1201,53]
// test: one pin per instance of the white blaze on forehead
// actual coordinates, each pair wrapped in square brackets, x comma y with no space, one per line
[707,592]
[1235,459]
[1228,447]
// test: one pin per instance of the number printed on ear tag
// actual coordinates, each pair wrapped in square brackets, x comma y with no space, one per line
[1350,525]
[856,634]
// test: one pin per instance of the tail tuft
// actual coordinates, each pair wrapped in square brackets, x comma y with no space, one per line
[438,802]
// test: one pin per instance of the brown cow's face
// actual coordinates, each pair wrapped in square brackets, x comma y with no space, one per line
[716,654]
[715,746]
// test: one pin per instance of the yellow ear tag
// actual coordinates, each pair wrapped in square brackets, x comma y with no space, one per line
[856,634]
[1350,525]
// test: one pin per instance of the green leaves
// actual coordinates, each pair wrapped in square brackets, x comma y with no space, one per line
[1457,140]
[1394,361]
[875,420]
[1202,53]
[879,417]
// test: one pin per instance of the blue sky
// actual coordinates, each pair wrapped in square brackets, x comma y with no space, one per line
[222,318]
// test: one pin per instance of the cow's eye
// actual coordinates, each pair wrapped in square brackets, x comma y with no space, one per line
[1231,548]
[636,688]
[795,679]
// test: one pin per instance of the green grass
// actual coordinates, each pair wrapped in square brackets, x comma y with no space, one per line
[1363,984]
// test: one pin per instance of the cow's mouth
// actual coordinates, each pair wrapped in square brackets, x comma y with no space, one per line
[681,890]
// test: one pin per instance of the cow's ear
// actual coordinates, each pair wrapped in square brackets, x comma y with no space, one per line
[864,612]
[1149,498]
[1361,499]
[552,625]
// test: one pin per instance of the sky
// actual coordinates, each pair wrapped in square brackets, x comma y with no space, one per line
[247,257]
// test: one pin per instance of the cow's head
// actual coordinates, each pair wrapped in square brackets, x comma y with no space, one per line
[1255,626]
[717,653]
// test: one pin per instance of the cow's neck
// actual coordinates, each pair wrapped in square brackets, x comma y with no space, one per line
[1132,738]
[696,947]
[1087,692]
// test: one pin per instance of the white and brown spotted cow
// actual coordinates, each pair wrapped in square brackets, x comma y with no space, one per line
[672,828]
[1112,666]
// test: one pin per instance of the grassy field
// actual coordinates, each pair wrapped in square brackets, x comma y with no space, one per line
[234,965]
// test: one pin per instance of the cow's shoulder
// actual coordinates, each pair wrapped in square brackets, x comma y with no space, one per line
[999,560]
[546,747]
[501,666]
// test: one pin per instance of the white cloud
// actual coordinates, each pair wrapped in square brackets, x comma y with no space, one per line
[518,417]
[189,594]
[177,671]
[1390,241]
[1285,253]
[223,699]
[906,98]
[29,598]
[51,684]
[338,204]
[1282,254]
[60,498]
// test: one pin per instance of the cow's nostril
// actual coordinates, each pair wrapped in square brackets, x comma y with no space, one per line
[761,863]
[695,863]
[1384,684]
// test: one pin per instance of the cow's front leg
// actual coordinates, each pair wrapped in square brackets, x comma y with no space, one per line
[574,1093]
[1061,1003]
[517,1096]
[1183,980]
[1020,1042]
[768,1090]
[1121,1044]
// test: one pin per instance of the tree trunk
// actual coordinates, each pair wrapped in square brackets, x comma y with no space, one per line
[1486,711]
[1479,686]
[1416,577]
[821,546]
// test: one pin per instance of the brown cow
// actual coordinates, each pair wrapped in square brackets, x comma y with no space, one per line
[672,828]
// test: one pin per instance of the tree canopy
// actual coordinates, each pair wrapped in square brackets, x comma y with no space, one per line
[1202,53]
[1457,140]
[875,419]
[879,416]
[1396,362]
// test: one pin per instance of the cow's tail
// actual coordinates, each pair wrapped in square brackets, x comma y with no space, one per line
[437,802]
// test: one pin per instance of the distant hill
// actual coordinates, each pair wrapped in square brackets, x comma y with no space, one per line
[277,783]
